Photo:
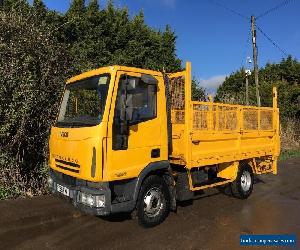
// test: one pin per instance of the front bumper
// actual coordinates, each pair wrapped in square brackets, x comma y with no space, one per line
[75,186]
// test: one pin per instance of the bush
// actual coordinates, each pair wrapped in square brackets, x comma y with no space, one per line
[290,134]
[37,46]
[33,66]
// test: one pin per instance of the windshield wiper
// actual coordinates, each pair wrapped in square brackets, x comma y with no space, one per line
[74,124]
[69,124]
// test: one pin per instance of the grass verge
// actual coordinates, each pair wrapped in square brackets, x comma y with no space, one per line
[8,192]
[287,154]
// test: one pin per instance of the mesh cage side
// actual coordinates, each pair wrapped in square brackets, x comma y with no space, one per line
[177,96]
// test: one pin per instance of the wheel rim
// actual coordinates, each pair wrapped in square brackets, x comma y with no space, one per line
[246,181]
[153,202]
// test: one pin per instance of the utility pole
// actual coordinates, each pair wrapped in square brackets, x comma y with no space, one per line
[247,90]
[247,73]
[253,31]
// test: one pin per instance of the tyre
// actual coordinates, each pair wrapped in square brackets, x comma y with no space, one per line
[153,203]
[242,187]
[225,189]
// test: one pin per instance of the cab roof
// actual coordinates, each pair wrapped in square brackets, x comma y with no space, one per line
[111,69]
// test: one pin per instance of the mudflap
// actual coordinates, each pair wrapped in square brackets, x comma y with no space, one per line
[183,192]
[171,185]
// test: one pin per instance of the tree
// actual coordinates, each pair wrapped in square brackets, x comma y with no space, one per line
[233,88]
[77,8]
[18,5]
[33,68]
[39,49]
[198,92]
[169,58]
[93,8]
[39,9]
[284,75]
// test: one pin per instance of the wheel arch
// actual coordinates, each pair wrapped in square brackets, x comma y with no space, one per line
[251,163]
[229,170]
[160,168]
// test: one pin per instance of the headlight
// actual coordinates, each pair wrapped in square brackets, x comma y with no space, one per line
[100,201]
[50,182]
[90,200]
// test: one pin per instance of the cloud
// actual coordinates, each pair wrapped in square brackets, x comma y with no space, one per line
[211,84]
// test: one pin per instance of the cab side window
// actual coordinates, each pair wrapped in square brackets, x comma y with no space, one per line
[142,97]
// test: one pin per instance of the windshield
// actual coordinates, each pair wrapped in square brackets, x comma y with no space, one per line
[84,102]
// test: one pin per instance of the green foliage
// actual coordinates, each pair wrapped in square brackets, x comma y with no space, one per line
[284,75]
[108,36]
[33,67]
[39,50]
[232,90]
[39,9]
[287,154]
[76,9]
[5,193]
[198,92]
[16,5]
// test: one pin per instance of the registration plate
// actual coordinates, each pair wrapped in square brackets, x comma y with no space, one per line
[63,190]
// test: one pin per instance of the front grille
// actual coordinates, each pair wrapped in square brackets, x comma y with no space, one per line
[69,180]
[66,165]
[61,177]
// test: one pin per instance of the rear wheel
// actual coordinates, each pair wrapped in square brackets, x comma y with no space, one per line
[242,187]
[153,204]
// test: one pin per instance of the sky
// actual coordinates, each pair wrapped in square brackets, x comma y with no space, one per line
[213,36]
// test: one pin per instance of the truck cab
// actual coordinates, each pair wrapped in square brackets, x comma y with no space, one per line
[111,131]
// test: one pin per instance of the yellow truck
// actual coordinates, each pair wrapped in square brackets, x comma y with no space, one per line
[132,140]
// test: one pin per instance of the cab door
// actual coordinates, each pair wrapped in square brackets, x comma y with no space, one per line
[144,140]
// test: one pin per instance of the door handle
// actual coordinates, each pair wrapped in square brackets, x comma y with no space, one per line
[155,153]
[196,142]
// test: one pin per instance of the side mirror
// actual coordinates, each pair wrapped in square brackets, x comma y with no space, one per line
[122,107]
[131,84]
[124,129]
[129,108]
[126,109]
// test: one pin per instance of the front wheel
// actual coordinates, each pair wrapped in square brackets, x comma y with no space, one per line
[153,204]
[242,187]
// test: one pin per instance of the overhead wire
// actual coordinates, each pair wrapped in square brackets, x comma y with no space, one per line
[229,9]
[219,4]
[270,40]
[282,4]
